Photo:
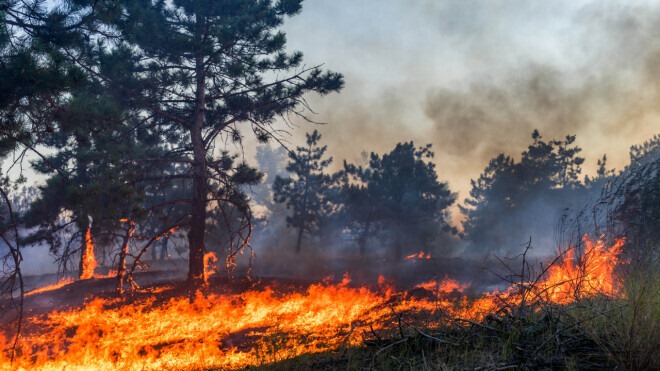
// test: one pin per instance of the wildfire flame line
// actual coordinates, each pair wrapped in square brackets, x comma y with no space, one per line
[261,325]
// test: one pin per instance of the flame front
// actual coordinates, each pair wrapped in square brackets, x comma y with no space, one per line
[264,325]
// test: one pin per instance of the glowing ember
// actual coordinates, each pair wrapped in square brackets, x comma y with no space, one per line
[263,325]
[419,255]
[89,260]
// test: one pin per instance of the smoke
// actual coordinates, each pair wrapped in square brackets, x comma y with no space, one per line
[474,78]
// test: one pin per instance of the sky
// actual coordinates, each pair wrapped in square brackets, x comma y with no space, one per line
[475,78]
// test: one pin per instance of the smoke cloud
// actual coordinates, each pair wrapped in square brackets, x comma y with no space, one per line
[474,78]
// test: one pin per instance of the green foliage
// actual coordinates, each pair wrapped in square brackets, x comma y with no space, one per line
[398,192]
[32,72]
[204,72]
[545,181]
[633,200]
[308,192]
[138,97]
[645,153]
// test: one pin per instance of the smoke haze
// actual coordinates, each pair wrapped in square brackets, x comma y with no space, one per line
[474,78]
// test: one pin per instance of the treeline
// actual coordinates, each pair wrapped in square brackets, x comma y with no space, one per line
[396,201]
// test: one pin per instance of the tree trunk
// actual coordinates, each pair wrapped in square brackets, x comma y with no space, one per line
[198,213]
[163,248]
[87,258]
[121,267]
[299,242]
[199,177]
[83,248]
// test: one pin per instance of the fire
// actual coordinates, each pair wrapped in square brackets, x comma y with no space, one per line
[420,255]
[588,275]
[447,285]
[210,268]
[61,283]
[265,323]
[89,261]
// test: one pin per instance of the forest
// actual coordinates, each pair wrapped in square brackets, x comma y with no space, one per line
[148,182]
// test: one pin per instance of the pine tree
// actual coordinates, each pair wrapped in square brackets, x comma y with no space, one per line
[205,70]
[307,192]
[544,181]
[400,191]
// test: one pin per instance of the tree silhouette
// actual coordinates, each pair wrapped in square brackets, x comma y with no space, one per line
[400,195]
[306,193]
[512,198]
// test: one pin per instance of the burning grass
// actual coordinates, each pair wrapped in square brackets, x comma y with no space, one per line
[538,321]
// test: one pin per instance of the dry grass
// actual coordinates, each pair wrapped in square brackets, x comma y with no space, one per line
[591,334]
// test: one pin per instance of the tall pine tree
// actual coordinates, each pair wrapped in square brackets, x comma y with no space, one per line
[205,71]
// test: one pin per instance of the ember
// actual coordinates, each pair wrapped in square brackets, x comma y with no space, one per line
[419,255]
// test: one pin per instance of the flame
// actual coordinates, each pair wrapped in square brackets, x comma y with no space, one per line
[420,255]
[61,283]
[263,324]
[447,285]
[210,260]
[588,275]
[89,262]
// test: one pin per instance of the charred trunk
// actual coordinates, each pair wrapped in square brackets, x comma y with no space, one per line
[121,267]
[301,230]
[87,258]
[198,211]
[83,249]
[196,235]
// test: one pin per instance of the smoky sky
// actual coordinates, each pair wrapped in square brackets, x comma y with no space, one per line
[474,78]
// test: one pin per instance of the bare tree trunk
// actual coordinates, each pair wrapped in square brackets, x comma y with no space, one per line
[16,275]
[299,242]
[121,267]
[197,231]
[163,248]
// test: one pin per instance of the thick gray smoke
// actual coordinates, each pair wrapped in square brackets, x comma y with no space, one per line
[474,78]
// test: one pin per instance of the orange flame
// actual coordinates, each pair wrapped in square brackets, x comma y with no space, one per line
[89,262]
[61,283]
[210,260]
[262,325]
[419,255]
[588,275]
[447,285]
